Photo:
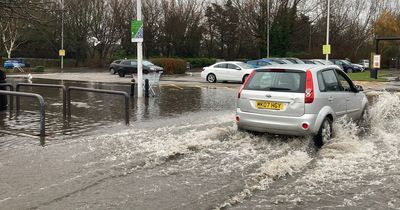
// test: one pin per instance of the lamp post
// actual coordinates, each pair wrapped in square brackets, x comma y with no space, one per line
[62,33]
[327,27]
[139,53]
[268,28]
[310,38]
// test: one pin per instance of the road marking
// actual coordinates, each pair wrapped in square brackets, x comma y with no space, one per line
[173,85]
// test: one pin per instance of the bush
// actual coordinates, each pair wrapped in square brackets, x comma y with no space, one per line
[170,65]
[201,62]
[38,69]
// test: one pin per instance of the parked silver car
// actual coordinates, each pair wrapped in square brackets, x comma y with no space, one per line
[298,100]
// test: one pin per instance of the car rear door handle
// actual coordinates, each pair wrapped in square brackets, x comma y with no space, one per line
[330,99]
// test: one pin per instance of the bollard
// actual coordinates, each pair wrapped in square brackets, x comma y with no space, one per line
[146,87]
[3,98]
[133,87]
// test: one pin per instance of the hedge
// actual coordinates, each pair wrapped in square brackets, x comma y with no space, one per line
[171,65]
[201,62]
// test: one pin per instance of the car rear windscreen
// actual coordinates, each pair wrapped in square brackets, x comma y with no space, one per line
[278,80]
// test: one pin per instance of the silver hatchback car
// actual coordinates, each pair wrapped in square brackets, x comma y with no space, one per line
[298,100]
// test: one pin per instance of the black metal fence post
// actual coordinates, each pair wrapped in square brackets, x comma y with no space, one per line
[42,128]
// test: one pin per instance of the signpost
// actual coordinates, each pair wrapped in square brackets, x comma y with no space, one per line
[137,36]
[326,49]
[376,62]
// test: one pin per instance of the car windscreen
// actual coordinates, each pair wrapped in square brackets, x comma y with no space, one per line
[278,80]
[244,65]
[148,63]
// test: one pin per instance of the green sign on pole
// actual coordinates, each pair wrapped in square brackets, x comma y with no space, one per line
[137,31]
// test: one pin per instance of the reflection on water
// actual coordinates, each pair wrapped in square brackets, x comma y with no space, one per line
[94,112]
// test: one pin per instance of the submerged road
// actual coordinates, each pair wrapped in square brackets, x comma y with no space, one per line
[195,159]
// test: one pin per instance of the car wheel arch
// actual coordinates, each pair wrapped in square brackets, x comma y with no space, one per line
[324,113]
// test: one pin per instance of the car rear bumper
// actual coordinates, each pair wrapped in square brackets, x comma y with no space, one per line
[273,124]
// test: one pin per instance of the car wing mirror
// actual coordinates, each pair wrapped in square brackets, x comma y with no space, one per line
[359,88]
[238,68]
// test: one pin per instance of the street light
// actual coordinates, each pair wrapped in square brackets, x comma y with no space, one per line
[310,38]
[139,53]
[62,33]
[327,27]
[268,28]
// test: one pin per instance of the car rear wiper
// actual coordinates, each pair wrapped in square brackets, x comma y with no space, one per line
[276,88]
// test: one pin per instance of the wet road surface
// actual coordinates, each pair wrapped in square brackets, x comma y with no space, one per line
[191,157]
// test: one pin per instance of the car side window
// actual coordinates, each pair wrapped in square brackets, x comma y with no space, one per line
[330,81]
[346,85]
[262,63]
[133,63]
[321,82]
[233,66]
[222,65]
[125,62]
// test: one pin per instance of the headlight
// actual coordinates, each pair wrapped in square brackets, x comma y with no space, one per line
[152,69]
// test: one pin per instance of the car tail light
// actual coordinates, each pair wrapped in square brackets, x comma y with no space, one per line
[245,83]
[237,119]
[309,93]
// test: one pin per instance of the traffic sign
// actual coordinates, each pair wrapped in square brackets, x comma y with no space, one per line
[137,31]
[377,62]
[61,53]
[326,49]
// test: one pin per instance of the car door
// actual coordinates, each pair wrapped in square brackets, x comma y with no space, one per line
[353,97]
[331,93]
[219,71]
[234,72]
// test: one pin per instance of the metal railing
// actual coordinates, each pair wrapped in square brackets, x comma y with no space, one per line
[42,128]
[62,87]
[113,92]
[11,88]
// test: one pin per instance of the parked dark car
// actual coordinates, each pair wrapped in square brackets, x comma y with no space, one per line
[128,66]
[11,63]
[346,66]
[262,62]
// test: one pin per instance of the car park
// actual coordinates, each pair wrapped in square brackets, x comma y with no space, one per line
[298,100]
[294,60]
[262,62]
[15,63]
[234,71]
[364,63]
[323,62]
[347,66]
[310,62]
[129,66]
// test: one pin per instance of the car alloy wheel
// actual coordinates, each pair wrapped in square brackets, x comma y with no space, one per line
[112,71]
[211,78]
[326,132]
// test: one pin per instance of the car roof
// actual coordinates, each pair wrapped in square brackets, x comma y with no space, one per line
[301,67]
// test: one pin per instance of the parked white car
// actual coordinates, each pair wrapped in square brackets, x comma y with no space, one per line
[364,63]
[227,71]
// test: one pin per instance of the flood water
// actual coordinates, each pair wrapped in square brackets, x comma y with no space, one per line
[96,112]
[189,155]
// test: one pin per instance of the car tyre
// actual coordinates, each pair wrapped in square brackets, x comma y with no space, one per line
[349,70]
[112,71]
[325,133]
[244,78]
[211,78]
[121,74]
